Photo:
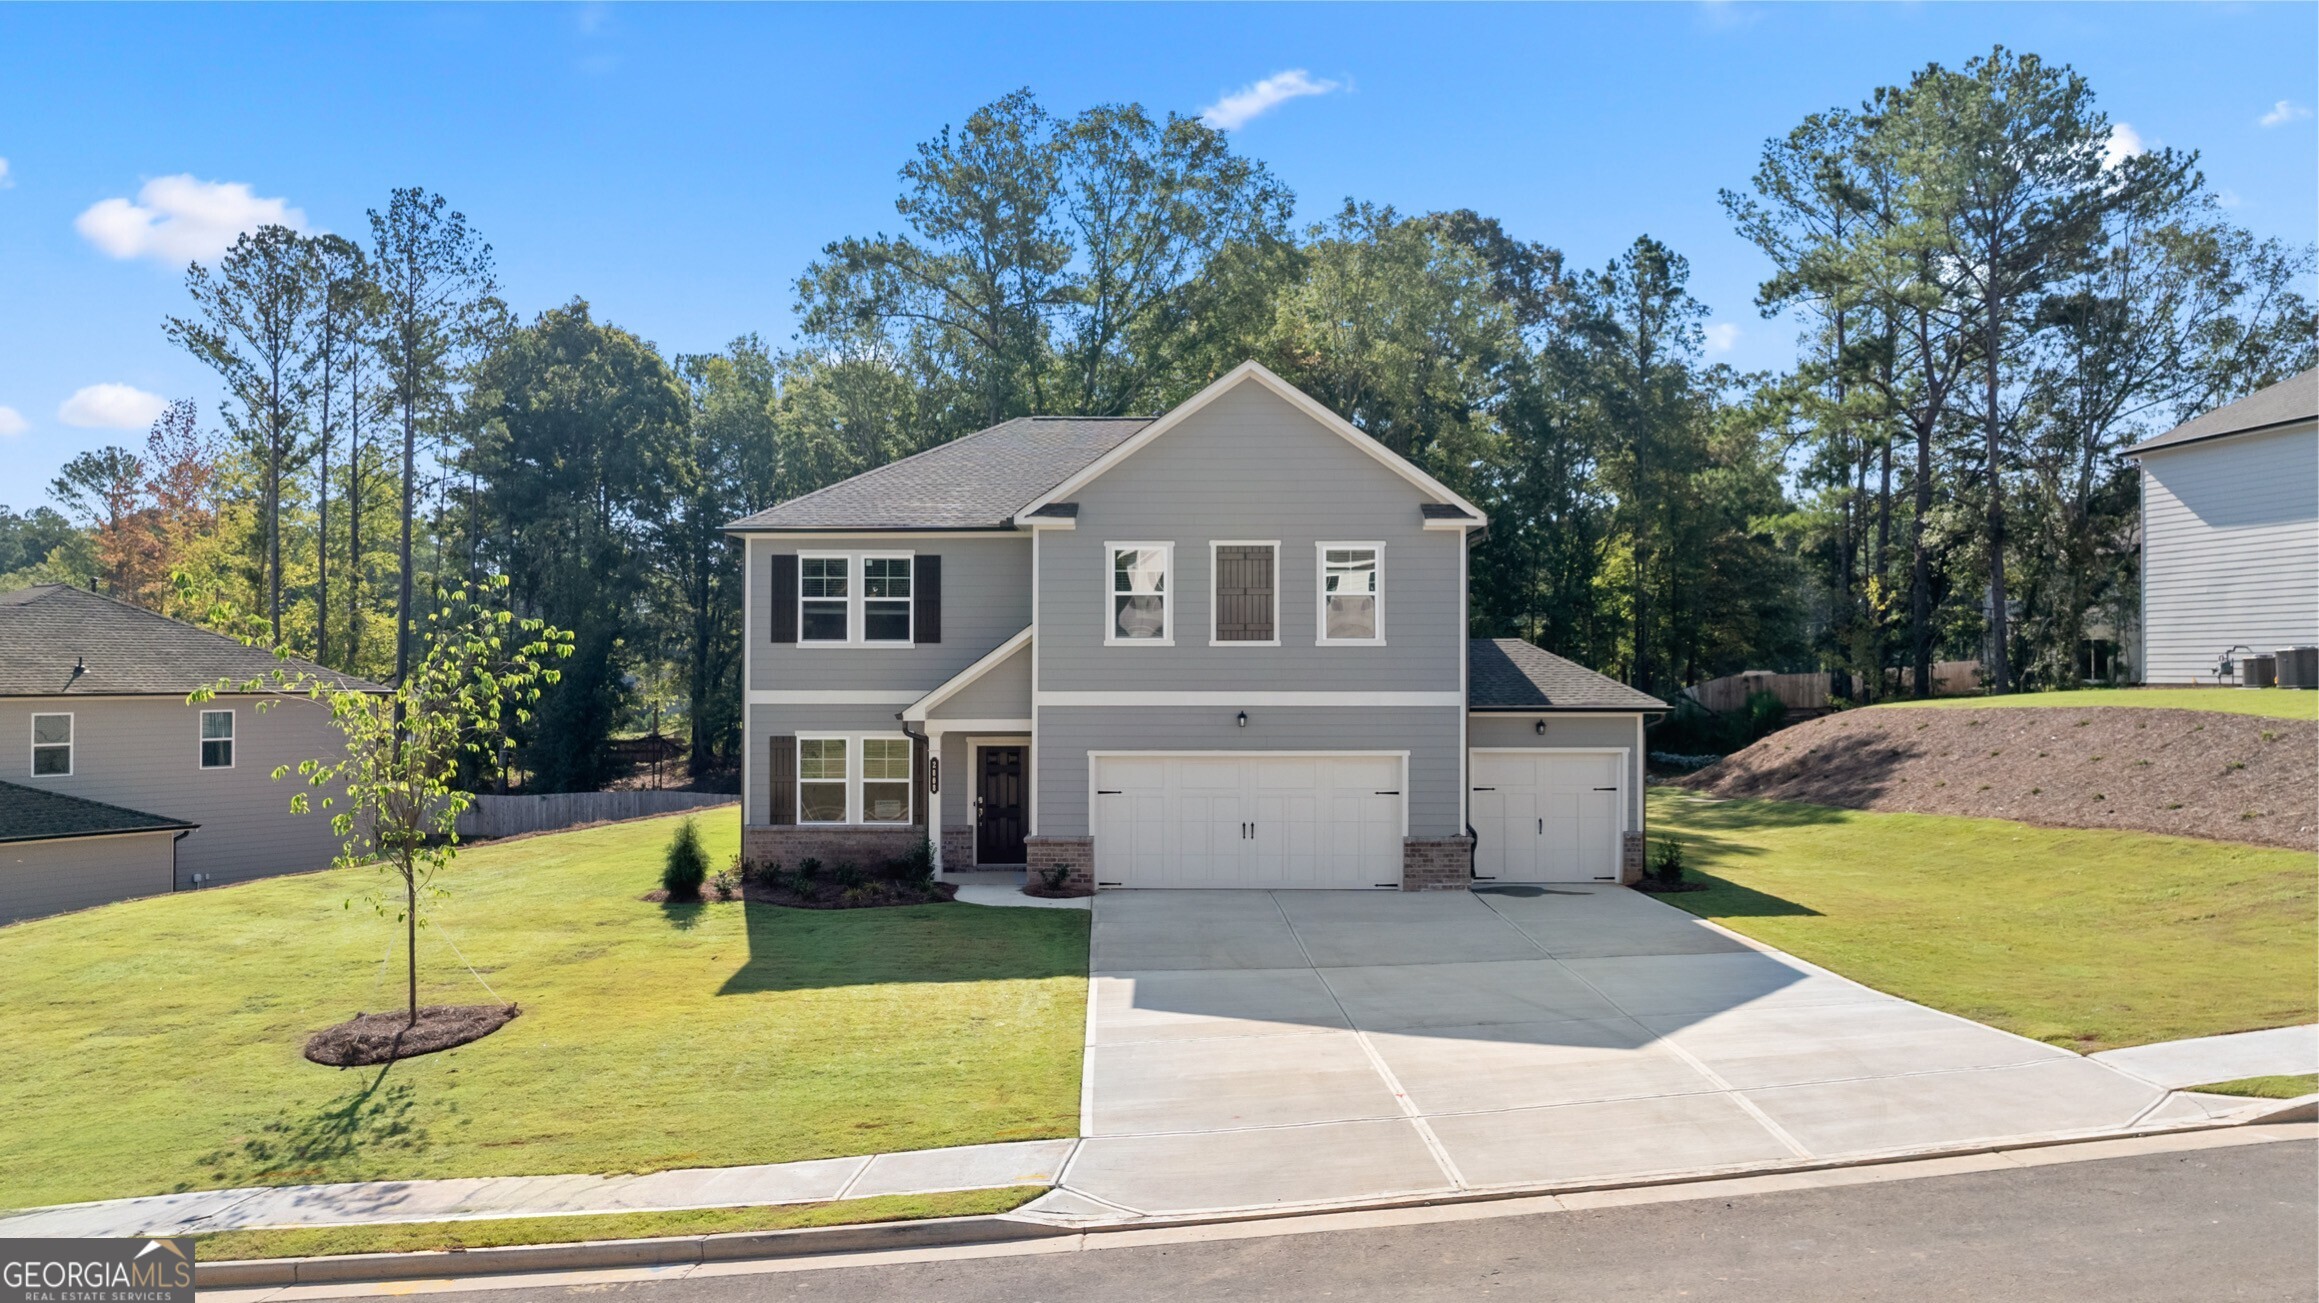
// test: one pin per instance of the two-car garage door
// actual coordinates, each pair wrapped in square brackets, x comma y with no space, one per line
[1548,816]
[1282,821]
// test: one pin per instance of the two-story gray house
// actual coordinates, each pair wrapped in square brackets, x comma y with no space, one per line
[1226,647]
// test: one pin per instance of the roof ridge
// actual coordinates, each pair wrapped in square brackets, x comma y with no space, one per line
[910,457]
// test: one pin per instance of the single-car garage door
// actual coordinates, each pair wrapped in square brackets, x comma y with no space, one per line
[1548,816]
[1324,820]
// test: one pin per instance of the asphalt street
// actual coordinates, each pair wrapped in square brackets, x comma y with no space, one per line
[2227,1223]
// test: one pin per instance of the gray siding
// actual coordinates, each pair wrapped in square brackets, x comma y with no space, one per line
[51,877]
[1429,734]
[1250,467]
[1003,692]
[145,753]
[986,599]
[1576,731]
[768,722]
[2230,550]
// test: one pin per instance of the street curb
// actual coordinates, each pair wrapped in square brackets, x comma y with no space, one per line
[951,1232]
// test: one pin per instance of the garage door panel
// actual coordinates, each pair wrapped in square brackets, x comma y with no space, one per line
[1307,821]
[1548,816]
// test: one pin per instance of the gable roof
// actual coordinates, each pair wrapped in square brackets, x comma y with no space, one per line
[918,711]
[1510,674]
[121,649]
[1256,373]
[31,814]
[2285,403]
[979,481]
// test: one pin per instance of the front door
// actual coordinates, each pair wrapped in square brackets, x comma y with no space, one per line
[998,806]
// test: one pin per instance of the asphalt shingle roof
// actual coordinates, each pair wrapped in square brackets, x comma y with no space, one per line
[978,481]
[2294,399]
[29,814]
[126,650]
[1509,674]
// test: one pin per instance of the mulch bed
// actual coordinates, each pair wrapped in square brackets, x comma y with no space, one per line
[1059,893]
[373,1038]
[2192,773]
[876,893]
[1657,888]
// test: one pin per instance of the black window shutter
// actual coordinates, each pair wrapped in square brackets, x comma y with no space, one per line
[928,602]
[782,785]
[784,609]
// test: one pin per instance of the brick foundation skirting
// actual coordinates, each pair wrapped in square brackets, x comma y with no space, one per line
[1436,863]
[958,848]
[1077,854]
[868,849]
[1630,858]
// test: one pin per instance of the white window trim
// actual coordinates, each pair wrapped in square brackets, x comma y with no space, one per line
[1167,595]
[1320,596]
[232,738]
[854,766]
[859,796]
[72,744]
[856,594]
[1215,600]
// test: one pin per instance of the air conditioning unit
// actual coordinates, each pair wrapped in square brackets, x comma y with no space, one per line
[2258,671]
[2299,667]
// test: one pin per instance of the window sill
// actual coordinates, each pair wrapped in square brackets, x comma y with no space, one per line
[1139,642]
[1241,642]
[832,643]
[1348,642]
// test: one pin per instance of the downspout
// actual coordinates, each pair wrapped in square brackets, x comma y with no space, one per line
[933,834]
[181,835]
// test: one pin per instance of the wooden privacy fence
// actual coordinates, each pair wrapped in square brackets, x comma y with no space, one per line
[1797,692]
[505,816]
[1949,679]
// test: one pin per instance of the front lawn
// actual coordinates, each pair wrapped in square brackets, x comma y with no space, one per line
[2277,703]
[154,1045]
[2289,1086]
[2089,940]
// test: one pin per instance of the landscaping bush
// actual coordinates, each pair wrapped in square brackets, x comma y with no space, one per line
[688,865]
[808,869]
[1667,863]
[848,875]
[915,865]
[1054,876]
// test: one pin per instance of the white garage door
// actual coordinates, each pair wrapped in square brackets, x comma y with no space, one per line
[1248,821]
[1548,816]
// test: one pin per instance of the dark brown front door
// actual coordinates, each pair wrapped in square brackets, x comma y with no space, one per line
[998,806]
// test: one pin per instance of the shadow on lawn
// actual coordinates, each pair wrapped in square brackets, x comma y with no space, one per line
[811,949]
[375,1117]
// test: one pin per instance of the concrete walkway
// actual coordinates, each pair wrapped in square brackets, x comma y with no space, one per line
[2210,1060]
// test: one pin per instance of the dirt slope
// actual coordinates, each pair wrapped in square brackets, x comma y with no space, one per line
[2196,773]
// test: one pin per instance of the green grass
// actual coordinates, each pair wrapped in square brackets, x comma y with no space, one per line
[2294,1086]
[154,1045]
[419,1237]
[2276,703]
[2089,940]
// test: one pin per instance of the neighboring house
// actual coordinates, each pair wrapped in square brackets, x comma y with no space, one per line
[1221,648]
[2230,534]
[122,788]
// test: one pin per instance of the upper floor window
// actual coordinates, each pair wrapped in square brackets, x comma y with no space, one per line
[823,598]
[217,739]
[51,745]
[886,599]
[1139,593]
[1351,593]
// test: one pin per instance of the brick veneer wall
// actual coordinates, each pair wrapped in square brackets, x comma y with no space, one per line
[1436,863]
[958,848]
[1630,858]
[1075,853]
[865,848]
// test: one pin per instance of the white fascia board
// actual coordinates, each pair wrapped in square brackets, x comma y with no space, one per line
[1295,397]
[916,713]
[939,727]
[1352,699]
[831,697]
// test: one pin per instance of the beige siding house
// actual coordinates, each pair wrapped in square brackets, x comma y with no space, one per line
[93,706]
[2230,534]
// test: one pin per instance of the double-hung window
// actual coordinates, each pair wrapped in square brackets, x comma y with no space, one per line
[1139,594]
[1351,593]
[824,598]
[886,599]
[821,780]
[217,739]
[885,780]
[51,745]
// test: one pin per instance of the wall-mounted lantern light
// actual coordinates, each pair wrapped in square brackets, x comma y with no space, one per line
[1243,719]
[1541,728]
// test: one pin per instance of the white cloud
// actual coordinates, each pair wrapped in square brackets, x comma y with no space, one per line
[6,181]
[1722,337]
[112,407]
[1256,99]
[12,422]
[2124,143]
[2228,198]
[2282,113]
[179,219]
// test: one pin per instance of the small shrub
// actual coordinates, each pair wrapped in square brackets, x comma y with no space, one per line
[687,865]
[768,874]
[808,869]
[1055,876]
[1667,863]
[915,865]
[848,875]
[727,884]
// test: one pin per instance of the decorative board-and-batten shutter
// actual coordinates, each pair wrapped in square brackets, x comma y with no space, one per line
[1244,594]
[783,611]
[782,807]
[926,615]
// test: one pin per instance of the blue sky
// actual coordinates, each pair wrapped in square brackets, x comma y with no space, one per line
[677,166]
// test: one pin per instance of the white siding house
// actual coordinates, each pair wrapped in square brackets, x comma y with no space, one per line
[2230,534]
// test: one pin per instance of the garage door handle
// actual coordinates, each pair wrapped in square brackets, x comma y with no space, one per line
[1384,793]
[1541,827]
[1108,791]
[1485,789]
[1606,789]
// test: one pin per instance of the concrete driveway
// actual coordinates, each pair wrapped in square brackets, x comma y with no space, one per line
[1252,1049]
